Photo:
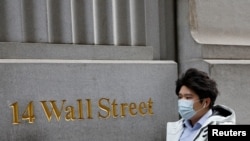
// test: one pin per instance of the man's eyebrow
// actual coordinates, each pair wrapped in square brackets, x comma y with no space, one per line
[186,94]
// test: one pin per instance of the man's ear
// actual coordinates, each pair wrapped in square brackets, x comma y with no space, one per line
[207,102]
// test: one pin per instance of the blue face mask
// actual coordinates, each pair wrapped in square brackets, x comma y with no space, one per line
[185,108]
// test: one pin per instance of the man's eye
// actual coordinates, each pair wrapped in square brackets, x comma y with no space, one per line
[188,97]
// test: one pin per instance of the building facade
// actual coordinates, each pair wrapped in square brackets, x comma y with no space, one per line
[106,69]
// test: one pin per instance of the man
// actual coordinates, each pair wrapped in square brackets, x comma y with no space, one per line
[197,93]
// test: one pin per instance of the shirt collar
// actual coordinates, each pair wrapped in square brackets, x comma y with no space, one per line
[205,117]
[200,122]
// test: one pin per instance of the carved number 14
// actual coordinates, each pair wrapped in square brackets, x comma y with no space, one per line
[28,114]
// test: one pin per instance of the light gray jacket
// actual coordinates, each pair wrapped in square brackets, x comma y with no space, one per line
[221,115]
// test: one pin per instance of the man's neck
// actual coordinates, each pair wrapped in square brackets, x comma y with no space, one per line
[196,118]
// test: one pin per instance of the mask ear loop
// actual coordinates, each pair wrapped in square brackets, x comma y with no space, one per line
[205,105]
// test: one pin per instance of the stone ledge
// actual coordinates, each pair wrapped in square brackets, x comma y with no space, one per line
[228,62]
[53,61]
[225,52]
[13,50]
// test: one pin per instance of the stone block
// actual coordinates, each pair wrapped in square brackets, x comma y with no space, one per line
[233,81]
[223,22]
[92,100]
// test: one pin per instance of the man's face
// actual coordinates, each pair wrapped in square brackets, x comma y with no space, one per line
[188,94]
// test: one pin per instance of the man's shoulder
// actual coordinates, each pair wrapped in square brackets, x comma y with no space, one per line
[174,127]
[175,123]
[222,115]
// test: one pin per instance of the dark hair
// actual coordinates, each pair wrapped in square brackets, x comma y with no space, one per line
[199,82]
